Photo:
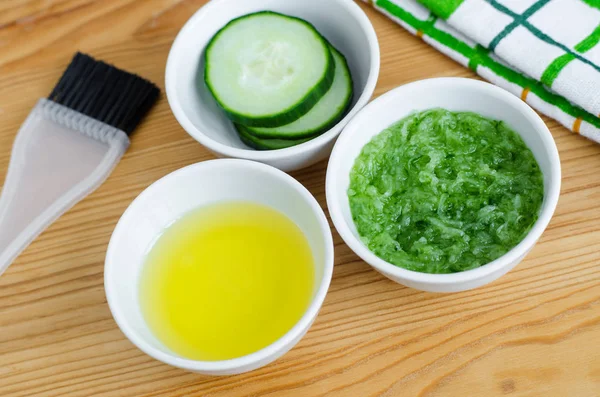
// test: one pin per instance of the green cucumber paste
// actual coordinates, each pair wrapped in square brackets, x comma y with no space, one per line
[444,192]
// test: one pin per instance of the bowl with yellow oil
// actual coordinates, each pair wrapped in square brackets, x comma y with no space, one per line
[220,267]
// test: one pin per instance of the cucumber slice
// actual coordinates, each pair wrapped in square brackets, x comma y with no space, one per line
[325,114]
[267,69]
[266,144]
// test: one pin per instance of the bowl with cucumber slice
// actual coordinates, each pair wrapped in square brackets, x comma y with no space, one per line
[273,81]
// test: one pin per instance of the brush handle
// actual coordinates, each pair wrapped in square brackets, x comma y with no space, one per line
[59,157]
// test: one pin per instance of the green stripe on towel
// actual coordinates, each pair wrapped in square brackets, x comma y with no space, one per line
[478,57]
[554,69]
[442,8]
[589,42]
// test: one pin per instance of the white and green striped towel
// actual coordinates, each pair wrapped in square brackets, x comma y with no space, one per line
[544,51]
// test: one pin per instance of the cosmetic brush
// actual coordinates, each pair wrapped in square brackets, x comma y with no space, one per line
[67,147]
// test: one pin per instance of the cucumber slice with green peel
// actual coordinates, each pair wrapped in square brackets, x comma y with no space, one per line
[266,144]
[267,69]
[325,114]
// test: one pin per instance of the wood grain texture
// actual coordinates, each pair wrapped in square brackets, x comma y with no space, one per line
[534,332]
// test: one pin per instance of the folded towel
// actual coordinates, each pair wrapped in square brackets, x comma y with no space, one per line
[544,51]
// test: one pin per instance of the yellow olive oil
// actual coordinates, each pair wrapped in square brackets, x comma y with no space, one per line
[226,280]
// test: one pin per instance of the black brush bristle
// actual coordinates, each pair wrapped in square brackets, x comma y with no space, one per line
[105,93]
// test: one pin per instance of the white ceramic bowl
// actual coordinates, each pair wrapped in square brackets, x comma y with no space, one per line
[455,94]
[170,198]
[342,22]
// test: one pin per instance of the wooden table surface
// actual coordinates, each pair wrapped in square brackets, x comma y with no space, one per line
[534,332]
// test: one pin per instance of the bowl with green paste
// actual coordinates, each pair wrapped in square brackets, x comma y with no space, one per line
[444,184]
